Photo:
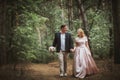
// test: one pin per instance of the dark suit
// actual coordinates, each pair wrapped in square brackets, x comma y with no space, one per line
[68,42]
[63,54]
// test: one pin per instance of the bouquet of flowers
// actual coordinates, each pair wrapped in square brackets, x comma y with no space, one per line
[52,49]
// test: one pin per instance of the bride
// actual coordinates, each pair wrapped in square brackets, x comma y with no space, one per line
[84,63]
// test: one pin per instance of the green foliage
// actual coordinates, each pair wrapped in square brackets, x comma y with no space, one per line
[26,42]
[99,33]
[99,25]
[40,19]
[44,56]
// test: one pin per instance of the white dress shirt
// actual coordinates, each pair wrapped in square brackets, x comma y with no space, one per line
[62,37]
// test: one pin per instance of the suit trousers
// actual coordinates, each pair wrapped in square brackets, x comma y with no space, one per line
[62,56]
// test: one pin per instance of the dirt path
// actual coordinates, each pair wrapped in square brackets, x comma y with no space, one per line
[32,71]
[108,71]
[51,72]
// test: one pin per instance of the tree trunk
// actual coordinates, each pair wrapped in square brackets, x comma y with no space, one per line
[62,13]
[84,20]
[39,35]
[12,23]
[3,32]
[70,14]
[83,17]
[116,23]
[111,44]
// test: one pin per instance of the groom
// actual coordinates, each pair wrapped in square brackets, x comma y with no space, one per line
[63,43]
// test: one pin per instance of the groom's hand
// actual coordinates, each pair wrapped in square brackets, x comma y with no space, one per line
[72,50]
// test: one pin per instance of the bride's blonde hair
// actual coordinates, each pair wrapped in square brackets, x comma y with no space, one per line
[81,32]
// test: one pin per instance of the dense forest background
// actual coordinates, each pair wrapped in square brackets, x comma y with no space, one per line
[27,28]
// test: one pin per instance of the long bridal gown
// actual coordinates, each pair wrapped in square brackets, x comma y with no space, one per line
[83,61]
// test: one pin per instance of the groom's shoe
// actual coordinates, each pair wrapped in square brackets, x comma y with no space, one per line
[65,74]
[61,75]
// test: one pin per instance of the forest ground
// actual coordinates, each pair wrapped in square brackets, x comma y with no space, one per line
[50,71]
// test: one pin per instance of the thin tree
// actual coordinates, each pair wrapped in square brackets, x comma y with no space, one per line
[116,24]
[3,54]
[83,17]
[70,13]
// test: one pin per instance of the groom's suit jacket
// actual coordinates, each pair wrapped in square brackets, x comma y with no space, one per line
[68,42]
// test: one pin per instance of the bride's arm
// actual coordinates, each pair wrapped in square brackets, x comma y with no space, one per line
[87,45]
[76,44]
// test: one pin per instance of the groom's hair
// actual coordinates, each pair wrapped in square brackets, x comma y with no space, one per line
[62,26]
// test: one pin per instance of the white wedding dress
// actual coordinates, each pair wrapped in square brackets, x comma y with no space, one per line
[83,61]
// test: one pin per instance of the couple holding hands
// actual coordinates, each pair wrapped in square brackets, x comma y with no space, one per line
[84,63]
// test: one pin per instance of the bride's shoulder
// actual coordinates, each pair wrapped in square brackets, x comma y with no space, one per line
[77,38]
[85,37]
